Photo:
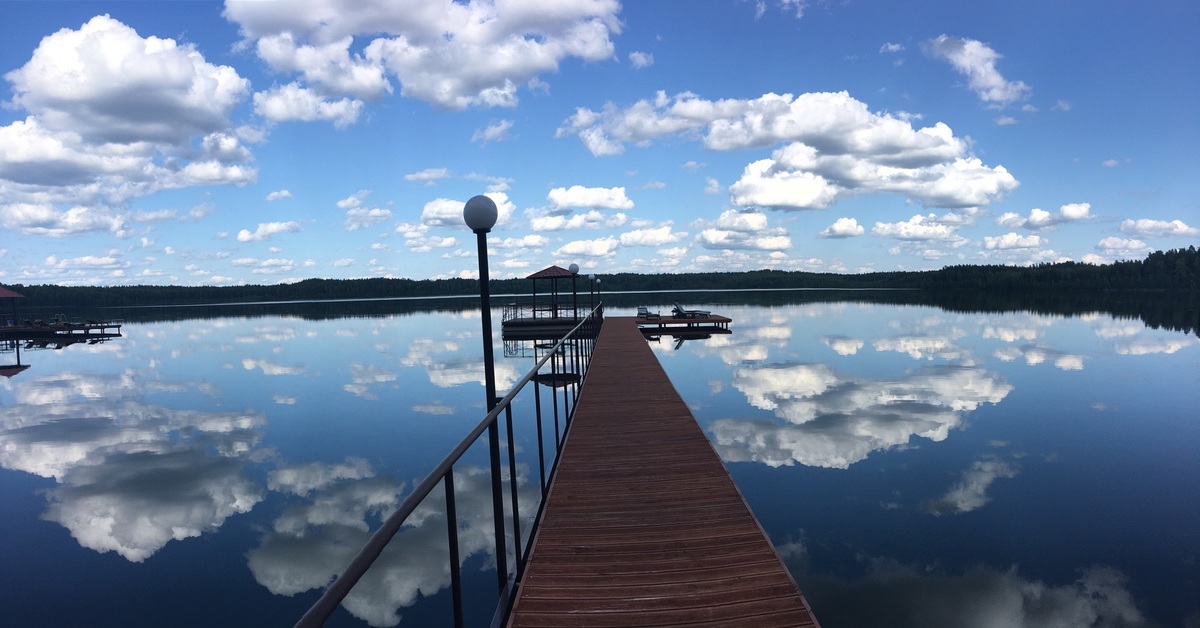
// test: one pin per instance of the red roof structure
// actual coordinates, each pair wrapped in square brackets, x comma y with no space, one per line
[560,301]
[5,293]
[552,272]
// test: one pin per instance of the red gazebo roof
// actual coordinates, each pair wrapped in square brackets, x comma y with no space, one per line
[5,293]
[551,272]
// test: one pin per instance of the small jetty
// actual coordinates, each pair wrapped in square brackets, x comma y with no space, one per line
[709,321]
[59,329]
[681,319]
[17,334]
[642,525]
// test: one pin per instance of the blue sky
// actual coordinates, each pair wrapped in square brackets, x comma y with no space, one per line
[209,143]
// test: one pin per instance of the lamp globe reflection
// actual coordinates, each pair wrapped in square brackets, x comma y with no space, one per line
[480,213]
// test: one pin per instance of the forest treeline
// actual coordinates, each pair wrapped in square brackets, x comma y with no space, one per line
[1176,271]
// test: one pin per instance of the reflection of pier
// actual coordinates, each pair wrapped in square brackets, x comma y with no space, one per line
[11,346]
[643,524]
[682,334]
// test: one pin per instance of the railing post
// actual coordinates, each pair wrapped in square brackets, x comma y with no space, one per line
[498,506]
[452,538]
[537,409]
[554,399]
[566,388]
[512,484]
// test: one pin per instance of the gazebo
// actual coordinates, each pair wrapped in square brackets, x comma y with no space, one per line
[5,293]
[8,370]
[554,308]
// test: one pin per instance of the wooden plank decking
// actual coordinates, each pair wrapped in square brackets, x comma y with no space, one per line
[643,525]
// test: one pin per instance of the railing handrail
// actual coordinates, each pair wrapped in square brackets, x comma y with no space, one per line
[329,600]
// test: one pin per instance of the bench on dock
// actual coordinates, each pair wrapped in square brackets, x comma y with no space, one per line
[644,312]
[679,312]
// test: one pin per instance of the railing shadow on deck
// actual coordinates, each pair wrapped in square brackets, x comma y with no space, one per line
[565,363]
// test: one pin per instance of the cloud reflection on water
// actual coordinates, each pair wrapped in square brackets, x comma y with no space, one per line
[899,595]
[364,376]
[131,475]
[970,493]
[312,542]
[834,420]
[1035,355]
[1147,346]
[749,343]
[843,345]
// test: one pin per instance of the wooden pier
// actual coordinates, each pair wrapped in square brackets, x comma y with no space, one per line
[643,525]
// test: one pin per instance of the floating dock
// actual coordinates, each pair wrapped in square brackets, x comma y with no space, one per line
[643,526]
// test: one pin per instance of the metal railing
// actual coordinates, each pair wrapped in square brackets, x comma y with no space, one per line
[545,309]
[568,359]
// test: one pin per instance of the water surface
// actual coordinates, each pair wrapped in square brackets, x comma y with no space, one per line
[914,466]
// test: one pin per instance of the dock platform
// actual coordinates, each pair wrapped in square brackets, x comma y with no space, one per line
[704,321]
[58,329]
[643,526]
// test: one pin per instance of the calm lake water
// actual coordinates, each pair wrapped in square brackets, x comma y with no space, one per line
[914,466]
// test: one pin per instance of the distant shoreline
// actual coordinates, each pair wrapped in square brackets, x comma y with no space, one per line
[1176,271]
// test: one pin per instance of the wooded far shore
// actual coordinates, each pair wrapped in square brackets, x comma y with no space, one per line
[1176,271]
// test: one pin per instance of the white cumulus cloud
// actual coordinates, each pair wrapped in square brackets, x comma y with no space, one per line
[641,60]
[449,54]
[1041,219]
[843,228]
[267,229]
[1147,228]
[742,230]
[578,196]
[658,236]
[1122,247]
[977,61]
[916,228]
[592,219]
[494,132]
[111,117]
[600,247]
[833,146]
[294,102]
[1013,241]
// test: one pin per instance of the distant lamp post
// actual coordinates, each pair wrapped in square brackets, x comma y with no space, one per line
[574,268]
[480,215]
[592,291]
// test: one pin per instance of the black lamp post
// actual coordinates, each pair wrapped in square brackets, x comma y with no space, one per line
[574,268]
[480,214]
